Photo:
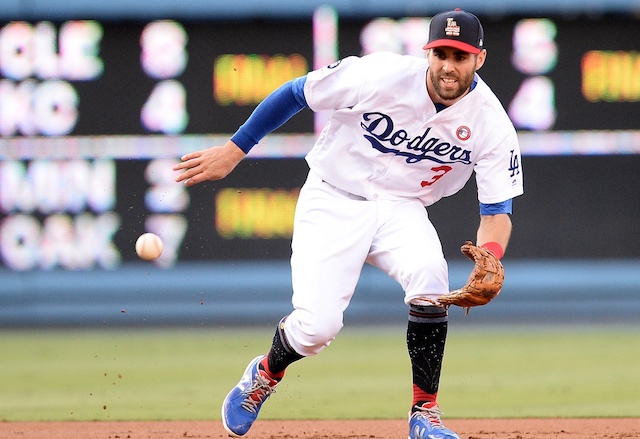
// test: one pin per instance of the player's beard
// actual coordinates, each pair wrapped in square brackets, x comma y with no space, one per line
[462,85]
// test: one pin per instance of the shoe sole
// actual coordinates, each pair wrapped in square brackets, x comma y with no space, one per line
[224,424]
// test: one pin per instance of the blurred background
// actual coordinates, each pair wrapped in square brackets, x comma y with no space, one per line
[99,99]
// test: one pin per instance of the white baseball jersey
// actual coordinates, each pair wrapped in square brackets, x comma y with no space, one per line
[385,139]
[385,142]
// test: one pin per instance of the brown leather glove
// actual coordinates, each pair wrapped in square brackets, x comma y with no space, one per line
[484,283]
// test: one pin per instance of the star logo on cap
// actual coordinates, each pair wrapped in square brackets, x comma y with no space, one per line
[452,29]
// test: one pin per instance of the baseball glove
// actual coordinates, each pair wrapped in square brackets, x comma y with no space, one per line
[484,283]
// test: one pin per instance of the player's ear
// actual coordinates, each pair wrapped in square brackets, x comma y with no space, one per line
[480,58]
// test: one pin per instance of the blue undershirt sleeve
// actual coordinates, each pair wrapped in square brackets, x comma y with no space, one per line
[496,208]
[271,113]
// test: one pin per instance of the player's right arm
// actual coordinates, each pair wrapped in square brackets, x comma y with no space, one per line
[217,162]
[213,163]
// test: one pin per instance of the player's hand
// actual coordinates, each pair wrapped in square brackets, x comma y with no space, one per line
[213,163]
[484,283]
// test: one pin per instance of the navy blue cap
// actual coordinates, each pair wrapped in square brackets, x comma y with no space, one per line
[458,29]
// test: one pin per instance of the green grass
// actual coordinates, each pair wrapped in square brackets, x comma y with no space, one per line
[185,374]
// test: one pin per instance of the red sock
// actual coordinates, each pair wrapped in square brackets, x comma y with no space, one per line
[264,365]
[420,396]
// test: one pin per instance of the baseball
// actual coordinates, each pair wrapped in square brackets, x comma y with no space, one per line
[149,246]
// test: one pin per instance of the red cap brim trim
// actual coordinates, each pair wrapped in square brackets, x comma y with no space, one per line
[453,43]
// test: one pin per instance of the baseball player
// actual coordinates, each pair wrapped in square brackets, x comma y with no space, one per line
[403,133]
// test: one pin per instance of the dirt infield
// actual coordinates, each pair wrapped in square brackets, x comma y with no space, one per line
[617,428]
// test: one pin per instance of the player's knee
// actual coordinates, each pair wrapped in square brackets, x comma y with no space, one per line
[309,333]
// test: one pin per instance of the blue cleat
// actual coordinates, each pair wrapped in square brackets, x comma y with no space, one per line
[242,405]
[425,423]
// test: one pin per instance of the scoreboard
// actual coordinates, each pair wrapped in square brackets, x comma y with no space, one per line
[94,114]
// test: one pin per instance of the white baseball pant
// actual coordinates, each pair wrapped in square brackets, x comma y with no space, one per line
[335,233]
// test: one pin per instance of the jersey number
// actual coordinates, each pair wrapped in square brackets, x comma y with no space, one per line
[440,171]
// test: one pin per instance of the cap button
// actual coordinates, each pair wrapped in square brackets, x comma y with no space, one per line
[458,9]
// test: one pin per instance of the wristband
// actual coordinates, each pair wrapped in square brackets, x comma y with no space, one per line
[494,247]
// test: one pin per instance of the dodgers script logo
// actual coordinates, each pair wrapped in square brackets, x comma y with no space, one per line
[383,136]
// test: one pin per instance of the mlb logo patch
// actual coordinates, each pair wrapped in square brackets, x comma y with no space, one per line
[463,133]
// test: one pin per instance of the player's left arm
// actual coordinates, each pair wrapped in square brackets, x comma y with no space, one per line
[494,233]
[498,177]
